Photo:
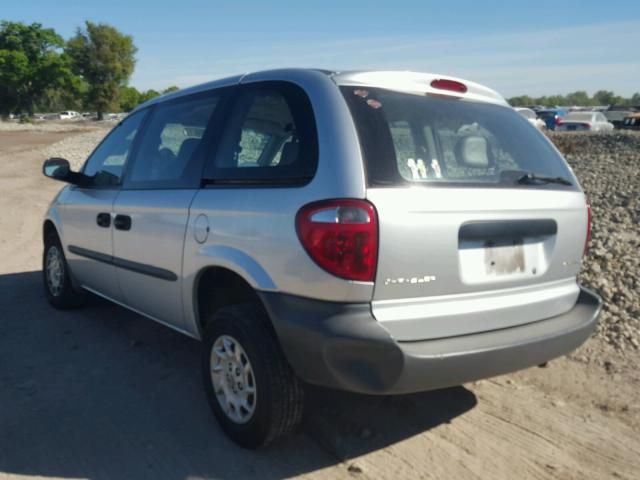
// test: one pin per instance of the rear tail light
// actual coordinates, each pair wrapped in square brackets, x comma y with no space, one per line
[341,236]
[589,222]
[558,120]
[451,85]
[587,126]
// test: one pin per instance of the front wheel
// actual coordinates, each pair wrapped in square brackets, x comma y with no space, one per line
[57,282]
[251,388]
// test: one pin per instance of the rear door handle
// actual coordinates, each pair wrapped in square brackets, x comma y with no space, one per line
[122,222]
[103,219]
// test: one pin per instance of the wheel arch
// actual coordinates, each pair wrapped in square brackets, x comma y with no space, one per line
[48,227]
[216,287]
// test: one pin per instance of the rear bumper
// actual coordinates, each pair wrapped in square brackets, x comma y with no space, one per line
[342,346]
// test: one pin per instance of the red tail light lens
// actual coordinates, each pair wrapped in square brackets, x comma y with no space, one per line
[558,120]
[587,126]
[451,85]
[341,236]
[589,222]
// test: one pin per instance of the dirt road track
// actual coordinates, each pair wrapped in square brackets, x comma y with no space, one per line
[103,393]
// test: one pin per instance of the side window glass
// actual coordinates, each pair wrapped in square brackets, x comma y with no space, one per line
[270,135]
[171,148]
[405,147]
[106,163]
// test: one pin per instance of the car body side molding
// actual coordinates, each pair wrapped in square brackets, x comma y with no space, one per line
[142,268]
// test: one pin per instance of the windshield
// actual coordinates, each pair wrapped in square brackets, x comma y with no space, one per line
[412,139]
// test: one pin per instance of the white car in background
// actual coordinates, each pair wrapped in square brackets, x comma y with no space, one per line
[585,121]
[68,115]
[533,119]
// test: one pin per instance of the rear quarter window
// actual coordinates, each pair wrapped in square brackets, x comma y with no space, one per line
[269,138]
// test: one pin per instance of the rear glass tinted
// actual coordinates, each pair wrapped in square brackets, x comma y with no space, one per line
[412,139]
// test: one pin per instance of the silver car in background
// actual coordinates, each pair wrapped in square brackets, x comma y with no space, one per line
[377,232]
[532,118]
[584,122]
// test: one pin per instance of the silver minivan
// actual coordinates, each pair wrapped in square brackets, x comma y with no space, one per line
[377,232]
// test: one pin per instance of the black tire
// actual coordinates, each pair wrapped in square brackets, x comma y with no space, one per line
[63,296]
[279,393]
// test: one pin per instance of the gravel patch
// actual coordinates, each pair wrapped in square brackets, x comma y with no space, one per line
[607,166]
[76,148]
[54,126]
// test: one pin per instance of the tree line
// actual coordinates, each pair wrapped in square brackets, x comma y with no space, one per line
[579,98]
[40,71]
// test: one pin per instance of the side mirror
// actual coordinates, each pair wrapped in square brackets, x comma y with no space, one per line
[56,168]
[59,169]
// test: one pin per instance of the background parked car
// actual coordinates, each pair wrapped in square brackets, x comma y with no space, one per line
[552,116]
[531,116]
[585,121]
[631,122]
[616,115]
[68,115]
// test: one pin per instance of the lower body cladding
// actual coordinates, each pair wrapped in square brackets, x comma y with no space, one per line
[343,346]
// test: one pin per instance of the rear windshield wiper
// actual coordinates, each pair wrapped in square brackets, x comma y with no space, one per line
[532,178]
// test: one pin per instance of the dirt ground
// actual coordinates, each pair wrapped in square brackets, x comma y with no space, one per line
[102,393]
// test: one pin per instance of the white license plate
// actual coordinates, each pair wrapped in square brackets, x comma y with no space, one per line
[504,257]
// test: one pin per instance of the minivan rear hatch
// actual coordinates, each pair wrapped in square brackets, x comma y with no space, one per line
[481,222]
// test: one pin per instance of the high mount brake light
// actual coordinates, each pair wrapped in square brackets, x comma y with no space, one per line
[451,85]
[341,236]
[589,224]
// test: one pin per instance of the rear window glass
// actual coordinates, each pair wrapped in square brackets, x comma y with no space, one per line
[412,139]
[579,117]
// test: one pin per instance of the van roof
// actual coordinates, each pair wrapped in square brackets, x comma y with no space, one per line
[418,83]
[405,81]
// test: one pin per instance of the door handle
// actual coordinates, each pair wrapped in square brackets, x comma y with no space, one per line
[122,222]
[103,219]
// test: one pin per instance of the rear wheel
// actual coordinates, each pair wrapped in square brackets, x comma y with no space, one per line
[251,388]
[57,282]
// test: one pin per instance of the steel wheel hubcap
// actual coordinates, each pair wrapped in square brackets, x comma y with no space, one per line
[233,379]
[55,271]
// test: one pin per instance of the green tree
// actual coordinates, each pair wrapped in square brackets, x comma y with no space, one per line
[521,101]
[556,100]
[604,97]
[129,98]
[105,58]
[31,65]
[170,89]
[148,95]
[578,98]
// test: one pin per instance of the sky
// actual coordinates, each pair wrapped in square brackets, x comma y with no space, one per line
[534,47]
